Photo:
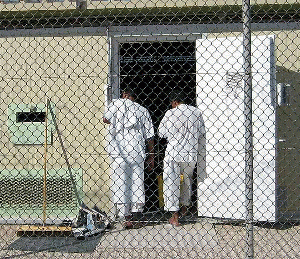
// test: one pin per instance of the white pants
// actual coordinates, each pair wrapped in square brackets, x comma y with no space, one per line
[127,186]
[171,184]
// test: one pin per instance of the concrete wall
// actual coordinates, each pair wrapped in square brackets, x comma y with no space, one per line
[288,123]
[71,72]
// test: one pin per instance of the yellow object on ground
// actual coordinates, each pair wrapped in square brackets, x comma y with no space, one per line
[31,231]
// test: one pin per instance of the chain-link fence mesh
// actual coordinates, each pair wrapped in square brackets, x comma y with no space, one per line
[149,129]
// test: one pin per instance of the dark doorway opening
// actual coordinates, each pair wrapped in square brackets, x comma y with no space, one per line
[154,69]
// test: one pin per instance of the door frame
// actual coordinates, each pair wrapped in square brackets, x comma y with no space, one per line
[158,33]
[147,33]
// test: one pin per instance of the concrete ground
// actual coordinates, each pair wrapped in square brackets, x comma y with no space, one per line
[203,238]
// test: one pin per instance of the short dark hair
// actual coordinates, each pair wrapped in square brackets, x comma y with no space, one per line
[130,91]
[176,95]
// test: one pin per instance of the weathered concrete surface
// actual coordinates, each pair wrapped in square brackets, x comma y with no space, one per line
[203,239]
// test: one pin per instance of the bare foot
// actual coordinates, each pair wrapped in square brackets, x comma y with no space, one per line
[174,220]
[184,211]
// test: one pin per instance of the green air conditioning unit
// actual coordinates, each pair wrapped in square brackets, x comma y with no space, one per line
[21,193]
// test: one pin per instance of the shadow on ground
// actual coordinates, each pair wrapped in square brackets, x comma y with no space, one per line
[55,244]
[278,225]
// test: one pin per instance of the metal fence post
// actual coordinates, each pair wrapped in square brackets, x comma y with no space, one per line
[248,128]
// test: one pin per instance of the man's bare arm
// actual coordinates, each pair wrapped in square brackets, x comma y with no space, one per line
[106,120]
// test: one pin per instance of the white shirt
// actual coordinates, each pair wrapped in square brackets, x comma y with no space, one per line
[183,127]
[130,126]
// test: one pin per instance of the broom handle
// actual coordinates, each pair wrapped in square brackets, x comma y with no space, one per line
[65,154]
[45,167]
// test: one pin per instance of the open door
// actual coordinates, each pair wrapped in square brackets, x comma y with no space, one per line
[154,70]
[220,96]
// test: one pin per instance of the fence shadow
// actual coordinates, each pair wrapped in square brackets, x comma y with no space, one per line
[277,225]
[55,244]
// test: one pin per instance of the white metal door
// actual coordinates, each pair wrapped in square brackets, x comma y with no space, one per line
[220,96]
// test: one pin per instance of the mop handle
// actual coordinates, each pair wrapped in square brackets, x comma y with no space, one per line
[45,167]
[65,154]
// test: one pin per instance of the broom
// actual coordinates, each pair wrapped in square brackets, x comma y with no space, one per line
[46,230]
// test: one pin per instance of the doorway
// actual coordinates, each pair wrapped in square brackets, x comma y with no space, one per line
[153,70]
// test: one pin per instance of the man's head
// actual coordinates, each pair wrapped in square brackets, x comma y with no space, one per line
[128,93]
[176,98]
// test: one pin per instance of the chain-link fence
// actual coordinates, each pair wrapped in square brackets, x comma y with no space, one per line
[149,129]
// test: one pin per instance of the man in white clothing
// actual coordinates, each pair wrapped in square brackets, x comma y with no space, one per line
[130,135]
[184,129]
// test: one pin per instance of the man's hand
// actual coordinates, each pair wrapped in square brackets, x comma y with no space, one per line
[106,120]
[150,163]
